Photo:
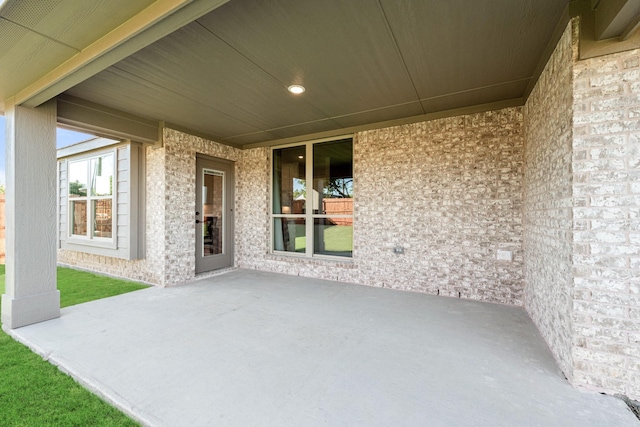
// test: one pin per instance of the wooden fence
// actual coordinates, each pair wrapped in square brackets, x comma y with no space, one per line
[338,207]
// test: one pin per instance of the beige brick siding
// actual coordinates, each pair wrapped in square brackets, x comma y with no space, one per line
[252,205]
[449,191]
[582,215]
[180,193]
[154,267]
[606,165]
[548,203]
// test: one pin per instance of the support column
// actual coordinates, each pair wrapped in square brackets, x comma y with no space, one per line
[31,231]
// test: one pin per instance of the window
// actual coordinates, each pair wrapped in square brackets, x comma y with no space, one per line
[316,219]
[101,198]
[91,197]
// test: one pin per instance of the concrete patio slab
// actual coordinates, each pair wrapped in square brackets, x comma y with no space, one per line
[258,349]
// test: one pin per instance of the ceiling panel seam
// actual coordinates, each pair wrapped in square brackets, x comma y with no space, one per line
[244,134]
[180,95]
[455,112]
[331,118]
[40,34]
[31,12]
[399,52]
[524,79]
[271,76]
[288,126]
[340,116]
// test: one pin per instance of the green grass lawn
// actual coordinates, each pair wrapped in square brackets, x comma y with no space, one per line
[338,239]
[34,392]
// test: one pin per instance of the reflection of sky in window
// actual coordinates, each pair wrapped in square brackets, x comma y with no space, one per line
[298,185]
[78,173]
[101,171]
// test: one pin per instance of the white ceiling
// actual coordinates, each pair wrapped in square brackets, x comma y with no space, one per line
[225,74]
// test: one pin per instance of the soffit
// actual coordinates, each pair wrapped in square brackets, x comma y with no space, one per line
[38,35]
[226,74]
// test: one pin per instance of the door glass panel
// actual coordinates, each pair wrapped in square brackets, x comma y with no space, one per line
[213,212]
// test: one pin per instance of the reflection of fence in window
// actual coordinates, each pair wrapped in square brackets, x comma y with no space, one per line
[79,226]
[338,207]
[102,218]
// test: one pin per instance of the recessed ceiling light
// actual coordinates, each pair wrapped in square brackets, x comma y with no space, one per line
[297,89]
[301,157]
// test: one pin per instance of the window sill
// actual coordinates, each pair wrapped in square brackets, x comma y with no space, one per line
[94,243]
[316,260]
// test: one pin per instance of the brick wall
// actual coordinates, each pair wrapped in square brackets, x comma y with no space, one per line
[548,203]
[582,215]
[449,191]
[153,265]
[180,194]
[606,165]
[252,202]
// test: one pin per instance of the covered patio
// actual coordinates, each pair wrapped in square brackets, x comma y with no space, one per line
[249,348]
[488,151]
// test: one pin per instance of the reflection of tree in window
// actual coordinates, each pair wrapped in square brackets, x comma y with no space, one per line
[76,188]
[332,188]
[338,188]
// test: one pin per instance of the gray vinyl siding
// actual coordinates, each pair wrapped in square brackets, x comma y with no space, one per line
[62,200]
[122,197]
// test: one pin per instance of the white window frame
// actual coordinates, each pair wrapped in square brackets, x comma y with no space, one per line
[309,216]
[89,239]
